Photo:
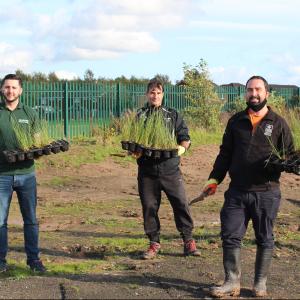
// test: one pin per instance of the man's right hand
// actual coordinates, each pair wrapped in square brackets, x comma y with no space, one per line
[135,155]
[210,187]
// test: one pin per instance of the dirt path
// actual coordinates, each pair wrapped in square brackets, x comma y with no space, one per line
[92,236]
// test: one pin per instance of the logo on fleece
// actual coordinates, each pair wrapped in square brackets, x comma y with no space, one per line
[268,130]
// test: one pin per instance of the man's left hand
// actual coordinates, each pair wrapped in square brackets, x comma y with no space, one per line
[181,150]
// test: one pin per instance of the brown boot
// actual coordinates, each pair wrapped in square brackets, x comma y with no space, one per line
[231,285]
[190,249]
[262,265]
[152,251]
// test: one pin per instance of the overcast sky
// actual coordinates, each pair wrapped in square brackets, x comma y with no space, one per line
[144,37]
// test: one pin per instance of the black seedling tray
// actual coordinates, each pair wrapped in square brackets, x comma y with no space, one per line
[149,152]
[13,156]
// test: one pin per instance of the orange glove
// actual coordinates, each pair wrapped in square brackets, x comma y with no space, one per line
[210,187]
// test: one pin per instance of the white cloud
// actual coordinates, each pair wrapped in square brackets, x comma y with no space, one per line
[62,74]
[13,58]
[97,29]
[250,10]
[76,53]
[242,26]
[240,74]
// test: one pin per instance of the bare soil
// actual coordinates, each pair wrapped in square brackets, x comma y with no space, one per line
[99,202]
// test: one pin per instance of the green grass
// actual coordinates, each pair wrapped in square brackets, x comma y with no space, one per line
[78,267]
[60,181]
[124,244]
[110,223]
[204,137]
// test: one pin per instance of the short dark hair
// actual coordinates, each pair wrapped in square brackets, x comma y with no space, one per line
[12,77]
[261,78]
[155,83]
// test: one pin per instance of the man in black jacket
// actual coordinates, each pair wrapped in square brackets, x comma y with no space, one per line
[163,174]
[254,193]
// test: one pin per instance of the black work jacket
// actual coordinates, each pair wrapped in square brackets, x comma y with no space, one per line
[176,124]
[243,153]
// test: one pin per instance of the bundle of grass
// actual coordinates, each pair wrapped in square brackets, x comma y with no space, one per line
[41,136]
[23,136]
[129,127]
[282,161]
[160,136]
[156,137]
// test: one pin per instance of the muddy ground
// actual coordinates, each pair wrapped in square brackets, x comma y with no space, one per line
[91,238]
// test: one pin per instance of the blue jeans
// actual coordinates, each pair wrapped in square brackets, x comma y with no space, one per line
[25,187]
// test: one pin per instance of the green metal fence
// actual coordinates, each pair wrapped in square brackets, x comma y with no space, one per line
[75,109]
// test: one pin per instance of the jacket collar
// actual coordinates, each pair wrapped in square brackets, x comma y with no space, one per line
[269,116]
[3,106]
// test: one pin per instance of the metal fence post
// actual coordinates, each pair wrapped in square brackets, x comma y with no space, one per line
[66,110]
[118,100]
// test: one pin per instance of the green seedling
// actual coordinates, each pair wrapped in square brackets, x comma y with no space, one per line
[23,135]
[41,136]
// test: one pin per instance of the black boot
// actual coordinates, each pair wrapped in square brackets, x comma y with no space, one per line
[262,265]
[232,268]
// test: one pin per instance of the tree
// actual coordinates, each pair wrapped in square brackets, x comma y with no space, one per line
[165,79]
[53,77]
[89,75]
[39,76]
[205,106]
[23,76]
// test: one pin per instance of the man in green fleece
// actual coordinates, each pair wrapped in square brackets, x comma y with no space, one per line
[19,176]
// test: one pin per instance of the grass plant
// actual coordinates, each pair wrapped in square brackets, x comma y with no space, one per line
[126,123]
[41,136]
[23,136]
[153,132]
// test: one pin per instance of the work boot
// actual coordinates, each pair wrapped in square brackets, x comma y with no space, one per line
[152,251]
[231,285]
[262,265]
[37,266]
[190,249]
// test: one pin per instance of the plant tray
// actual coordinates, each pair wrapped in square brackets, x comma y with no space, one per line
[149,152]
[13,156]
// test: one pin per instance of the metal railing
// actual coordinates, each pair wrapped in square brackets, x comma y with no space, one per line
[76,108]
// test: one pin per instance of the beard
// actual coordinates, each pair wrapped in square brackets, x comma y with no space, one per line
[11,100]
[256,106]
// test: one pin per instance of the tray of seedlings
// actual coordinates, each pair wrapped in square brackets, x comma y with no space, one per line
[34,145]
[148,136]
[290,165]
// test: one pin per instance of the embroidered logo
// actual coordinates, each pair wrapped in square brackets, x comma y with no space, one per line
[268,130]
[23,121]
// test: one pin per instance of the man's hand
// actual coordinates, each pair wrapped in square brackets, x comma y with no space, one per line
[181,150]
[135,155]
[210,187]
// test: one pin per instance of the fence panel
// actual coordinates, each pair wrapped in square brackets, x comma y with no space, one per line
[46,98]
[75,109]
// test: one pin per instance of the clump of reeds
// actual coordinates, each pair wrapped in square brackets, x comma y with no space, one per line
[41,135]
[24,139]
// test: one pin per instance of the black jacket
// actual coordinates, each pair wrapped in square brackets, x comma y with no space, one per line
[176,124]
[244,153]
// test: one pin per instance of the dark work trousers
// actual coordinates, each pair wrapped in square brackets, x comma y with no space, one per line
[150,188]
[239,207]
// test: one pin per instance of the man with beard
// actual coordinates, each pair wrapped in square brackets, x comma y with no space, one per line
[163,174]
[18,176]
[254,192]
